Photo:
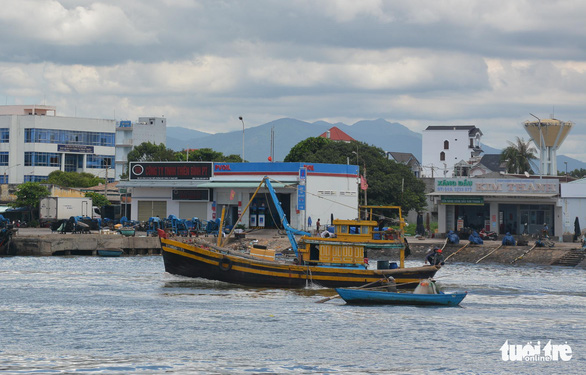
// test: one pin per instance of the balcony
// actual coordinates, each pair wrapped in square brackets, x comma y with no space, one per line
[124,143]
[124,126]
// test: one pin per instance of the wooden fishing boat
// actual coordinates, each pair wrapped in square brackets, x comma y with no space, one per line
[241,268]
[110,252]
[378,297]
[337,261]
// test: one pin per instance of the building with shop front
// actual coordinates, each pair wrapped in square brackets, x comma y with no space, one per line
[203,189]
[34,142]
[500,205]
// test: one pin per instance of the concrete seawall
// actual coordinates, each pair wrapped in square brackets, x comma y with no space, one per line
[81,244]
[568,254]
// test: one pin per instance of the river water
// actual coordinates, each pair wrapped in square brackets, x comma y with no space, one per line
[88,315]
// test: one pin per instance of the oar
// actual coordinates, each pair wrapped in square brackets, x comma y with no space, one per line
[445,243]
[478,261]
[462,248]
[360,287]
[522,255]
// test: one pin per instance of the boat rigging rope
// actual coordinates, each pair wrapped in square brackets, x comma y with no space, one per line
[276,222]
[294,187]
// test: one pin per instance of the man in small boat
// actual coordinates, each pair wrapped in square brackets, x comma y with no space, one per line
[435,257]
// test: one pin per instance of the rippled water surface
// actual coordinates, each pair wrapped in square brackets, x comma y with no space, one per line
[126,315]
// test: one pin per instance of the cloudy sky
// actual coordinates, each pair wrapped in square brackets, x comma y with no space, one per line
[202,64]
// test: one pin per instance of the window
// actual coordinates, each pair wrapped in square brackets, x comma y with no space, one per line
[99,161]
[4,158]
[33,178]
[442,156]
[446,145]
[4,135]
[42,159]
[68,137]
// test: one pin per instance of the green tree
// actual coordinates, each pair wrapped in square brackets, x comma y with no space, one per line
[389,183]
[311,146]
[518,156]
[29,195]
[148,151]
[98,199]
[207,154]
[73,179]
[577,173]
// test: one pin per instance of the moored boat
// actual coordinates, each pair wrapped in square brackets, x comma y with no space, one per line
[110,252]
[335,261]
[128,232]
[5,238]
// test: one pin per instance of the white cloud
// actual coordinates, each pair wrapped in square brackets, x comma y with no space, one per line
[50,21]
[203,63]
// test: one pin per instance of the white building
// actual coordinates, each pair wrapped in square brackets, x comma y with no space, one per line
[573,196]
[131,134]
[203,189]
[34,142]
[445,146]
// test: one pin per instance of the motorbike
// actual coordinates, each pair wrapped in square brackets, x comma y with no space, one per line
[488,235]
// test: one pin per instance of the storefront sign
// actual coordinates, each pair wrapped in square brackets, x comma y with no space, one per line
[485,186]
[76,148]
[459,200]
[202,195]
[170,171]
[301,197]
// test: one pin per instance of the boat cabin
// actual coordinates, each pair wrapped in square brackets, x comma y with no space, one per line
[348,243]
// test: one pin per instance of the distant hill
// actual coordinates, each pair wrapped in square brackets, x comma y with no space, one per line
[179,138]
[288,132]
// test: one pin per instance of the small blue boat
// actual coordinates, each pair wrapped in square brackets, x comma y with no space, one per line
[378,297]
[110,252]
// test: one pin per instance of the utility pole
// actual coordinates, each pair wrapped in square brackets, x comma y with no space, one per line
[241,119]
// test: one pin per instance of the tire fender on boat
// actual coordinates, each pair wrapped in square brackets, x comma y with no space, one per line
[225,264]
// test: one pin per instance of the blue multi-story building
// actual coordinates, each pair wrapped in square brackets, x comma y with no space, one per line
[34,142]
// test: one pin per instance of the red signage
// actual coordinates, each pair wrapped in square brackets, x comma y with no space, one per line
[222,167]
[170,171]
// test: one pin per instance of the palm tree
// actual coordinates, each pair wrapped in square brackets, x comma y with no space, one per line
[518,156]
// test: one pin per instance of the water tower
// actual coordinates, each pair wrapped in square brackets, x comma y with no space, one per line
[548,135]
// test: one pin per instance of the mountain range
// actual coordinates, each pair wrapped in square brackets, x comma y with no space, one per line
[288,132]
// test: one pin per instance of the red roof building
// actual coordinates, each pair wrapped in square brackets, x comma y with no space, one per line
[336,134]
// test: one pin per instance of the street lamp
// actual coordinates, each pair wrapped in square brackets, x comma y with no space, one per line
[241,119]
[566,163]
[7,169]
